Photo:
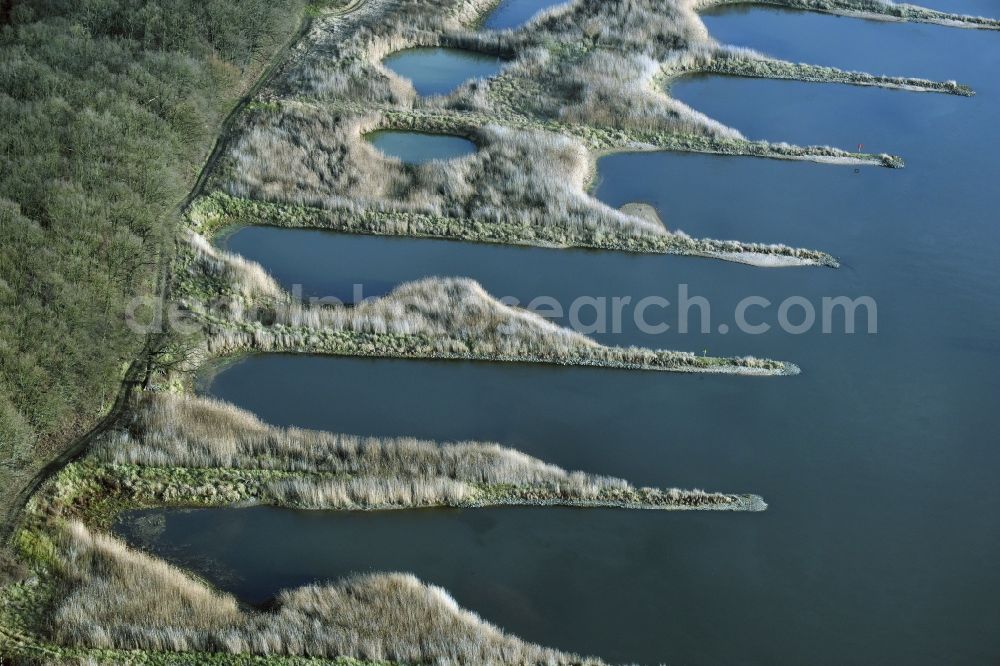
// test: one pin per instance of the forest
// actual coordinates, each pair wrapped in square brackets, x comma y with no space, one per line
[107,111]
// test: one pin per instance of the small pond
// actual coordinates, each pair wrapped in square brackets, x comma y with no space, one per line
[420,147]
[438,71]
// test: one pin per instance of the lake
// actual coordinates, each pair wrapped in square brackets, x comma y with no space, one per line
[878,462]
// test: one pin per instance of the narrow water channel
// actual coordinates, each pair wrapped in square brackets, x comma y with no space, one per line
[878,462]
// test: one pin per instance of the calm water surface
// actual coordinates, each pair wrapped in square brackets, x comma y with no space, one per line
[856,44]
[437,71]
[515,13]
[878,462]
[420,147]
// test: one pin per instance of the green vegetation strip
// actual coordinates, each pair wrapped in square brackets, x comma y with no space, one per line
[218,210]
[781,69]
[228,338]
[600,139]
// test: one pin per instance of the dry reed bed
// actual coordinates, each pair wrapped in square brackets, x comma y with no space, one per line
[522,185]
[589,68]
[223,210]
[744,62]
[589,60]
[312,157]
[592,62]
[241,308]
[98,597]
[121,598]
[335,471]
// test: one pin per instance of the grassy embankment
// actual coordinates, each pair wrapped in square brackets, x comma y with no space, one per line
[94,597]
[742,62]
[309,469]
[584,79]
[169,616]
[522,186]
[240,308]
[107,110]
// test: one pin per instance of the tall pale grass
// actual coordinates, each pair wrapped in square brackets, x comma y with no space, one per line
[456,308]
[167,430]
[310,156]
[121,598]
[243,278]
[609,85]
[371,492]
[114,592]
[588,64]
[429,318]
[325,470]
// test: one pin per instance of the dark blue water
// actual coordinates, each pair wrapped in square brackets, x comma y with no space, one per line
[420,147]
[879,47]
[563,286]
[554,575]
[946,142]
[515,13]
[878,462]
[874,120]
[438,71]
